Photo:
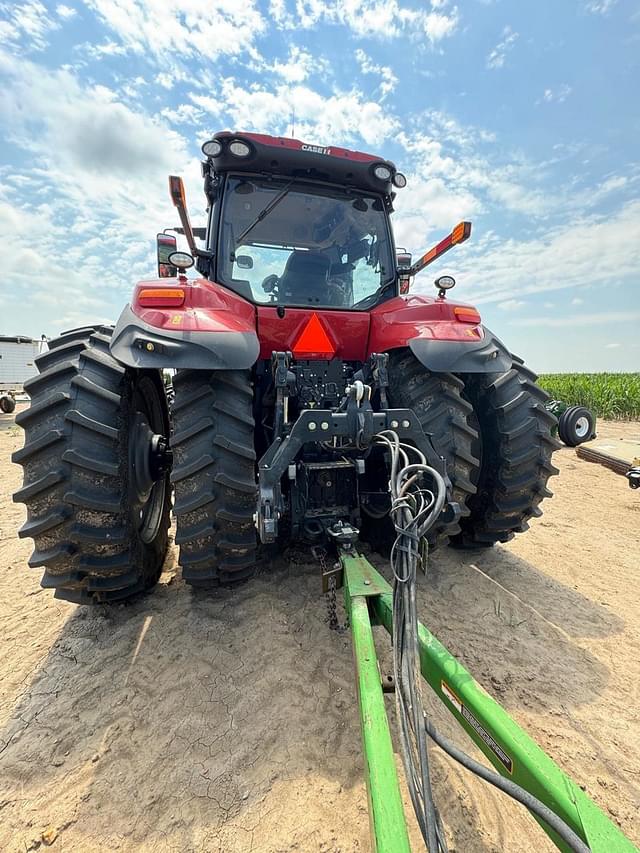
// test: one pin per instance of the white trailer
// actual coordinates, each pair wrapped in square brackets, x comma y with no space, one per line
[17,361]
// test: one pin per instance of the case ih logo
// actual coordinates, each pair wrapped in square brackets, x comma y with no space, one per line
[315,149]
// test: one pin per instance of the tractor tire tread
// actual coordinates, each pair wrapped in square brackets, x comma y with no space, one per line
[517,449]
[437,400]
[74,483]
[214,476]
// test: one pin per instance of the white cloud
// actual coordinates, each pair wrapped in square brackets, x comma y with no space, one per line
[558,95]
[26,25]
[369,18]
[102,169]
[612,346]
[600,7]
[336,119]
[596,249]
[430,205]
[441,147]
[298,66]
[437,25]
[577,301]
[183,28]
[183,114]
[65,12]
[389,81]
[498,55]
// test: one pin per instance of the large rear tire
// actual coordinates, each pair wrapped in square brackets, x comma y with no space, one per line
[437,400]
[214,476]
[98,535]
[515,446]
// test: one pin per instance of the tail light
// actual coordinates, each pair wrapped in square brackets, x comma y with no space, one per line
[158,297]
[466,315]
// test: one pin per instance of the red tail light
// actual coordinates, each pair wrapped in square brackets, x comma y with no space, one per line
[161,296]
[466,315]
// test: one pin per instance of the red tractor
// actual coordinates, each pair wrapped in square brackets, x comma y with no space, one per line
[297,347]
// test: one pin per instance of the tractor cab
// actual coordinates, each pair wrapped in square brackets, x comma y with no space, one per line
[299,225]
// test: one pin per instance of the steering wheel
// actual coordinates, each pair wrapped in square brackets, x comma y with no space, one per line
[270,283]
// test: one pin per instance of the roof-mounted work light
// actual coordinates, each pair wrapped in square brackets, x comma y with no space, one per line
[212,148]
[239,148]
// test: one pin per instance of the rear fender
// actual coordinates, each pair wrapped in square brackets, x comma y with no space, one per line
[436,335]
[488,355]
[212,329]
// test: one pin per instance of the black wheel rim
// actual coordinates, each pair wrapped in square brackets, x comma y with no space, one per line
[147,477]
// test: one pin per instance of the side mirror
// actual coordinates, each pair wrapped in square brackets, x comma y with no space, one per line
[245,262]
[403,263]
[167,244]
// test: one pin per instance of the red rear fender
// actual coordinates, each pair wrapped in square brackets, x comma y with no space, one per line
[446,337]
[207,307]
[192,323]
[396,322]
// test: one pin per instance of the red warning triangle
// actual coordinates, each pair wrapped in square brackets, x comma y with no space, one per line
[314,340]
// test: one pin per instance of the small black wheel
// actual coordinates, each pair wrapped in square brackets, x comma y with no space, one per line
[576,425]
[7,404]
[96,480]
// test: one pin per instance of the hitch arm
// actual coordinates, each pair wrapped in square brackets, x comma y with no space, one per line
[368,599]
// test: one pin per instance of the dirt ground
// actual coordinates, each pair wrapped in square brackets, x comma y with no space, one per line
[228,722]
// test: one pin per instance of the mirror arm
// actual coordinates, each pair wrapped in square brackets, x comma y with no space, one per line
[460,233]
[176,191]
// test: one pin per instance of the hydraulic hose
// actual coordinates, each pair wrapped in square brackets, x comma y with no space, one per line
[414,510]
[516,792]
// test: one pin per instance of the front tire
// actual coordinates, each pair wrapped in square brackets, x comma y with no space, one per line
[99,536]
[515,445]
[214,476]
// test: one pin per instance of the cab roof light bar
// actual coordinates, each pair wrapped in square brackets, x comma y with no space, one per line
[460,233]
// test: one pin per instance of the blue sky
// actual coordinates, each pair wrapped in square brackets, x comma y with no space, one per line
[523,117]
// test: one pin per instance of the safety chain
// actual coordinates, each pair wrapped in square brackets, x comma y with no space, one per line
[332,600]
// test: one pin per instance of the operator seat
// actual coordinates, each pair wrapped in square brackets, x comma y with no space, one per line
[304,280]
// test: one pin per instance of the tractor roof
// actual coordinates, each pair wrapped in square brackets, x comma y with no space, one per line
[280,155]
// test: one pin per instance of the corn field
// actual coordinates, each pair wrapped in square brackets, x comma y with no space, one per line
[608,395]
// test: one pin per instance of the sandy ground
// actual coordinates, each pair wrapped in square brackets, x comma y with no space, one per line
[229,722]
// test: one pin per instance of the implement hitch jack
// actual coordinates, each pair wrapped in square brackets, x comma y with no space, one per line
[368,600]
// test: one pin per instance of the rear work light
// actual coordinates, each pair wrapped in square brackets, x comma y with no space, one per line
[466,315]
[382,172]
[161,296]
[239,149]
[212,148]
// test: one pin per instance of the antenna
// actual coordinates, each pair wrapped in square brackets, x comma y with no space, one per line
[293,122]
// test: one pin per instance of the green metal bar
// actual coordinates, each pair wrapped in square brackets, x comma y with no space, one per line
[508,747]
[386,816]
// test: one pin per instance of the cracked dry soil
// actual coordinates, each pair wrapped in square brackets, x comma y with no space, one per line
[228,722]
